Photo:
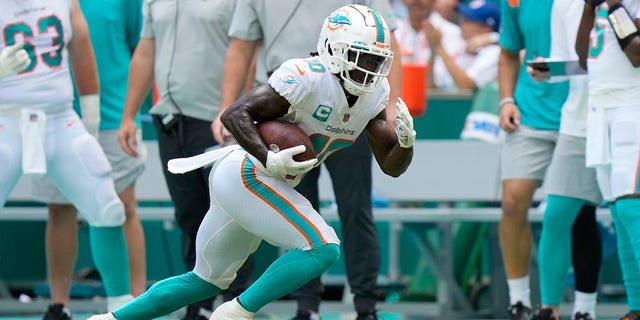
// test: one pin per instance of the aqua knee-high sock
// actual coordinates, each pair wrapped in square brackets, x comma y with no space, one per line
[289,272]
[109,251]
[167,296]
[630,274]
[554,249]
[628,218]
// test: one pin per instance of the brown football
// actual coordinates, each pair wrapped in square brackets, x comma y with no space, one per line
[279,135]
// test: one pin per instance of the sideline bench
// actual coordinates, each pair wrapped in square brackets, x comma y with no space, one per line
[444,171]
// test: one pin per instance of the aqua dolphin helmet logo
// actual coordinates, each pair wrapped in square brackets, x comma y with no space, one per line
[337,20]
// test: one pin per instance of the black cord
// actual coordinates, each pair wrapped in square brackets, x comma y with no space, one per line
[173,55]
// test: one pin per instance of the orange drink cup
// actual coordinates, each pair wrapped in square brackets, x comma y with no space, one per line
[414,85]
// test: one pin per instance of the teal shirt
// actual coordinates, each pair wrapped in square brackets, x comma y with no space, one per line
[526,24]
[114,26]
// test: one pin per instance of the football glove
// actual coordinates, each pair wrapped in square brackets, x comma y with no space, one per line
[404,125]
[281,163]
[594,3]
[13,60]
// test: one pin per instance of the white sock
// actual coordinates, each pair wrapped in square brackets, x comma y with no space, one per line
[114,303]
[231,310]
[519,290]
[585,302]
[104,316]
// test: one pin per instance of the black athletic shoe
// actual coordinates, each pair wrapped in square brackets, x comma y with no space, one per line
[582,316]
[371,315]
[544,314]
[194,312]
[519,311]
[57,311]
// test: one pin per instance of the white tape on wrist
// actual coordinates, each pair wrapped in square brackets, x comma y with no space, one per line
[90,108]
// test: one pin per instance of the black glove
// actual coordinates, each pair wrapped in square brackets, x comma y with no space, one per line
[594,3]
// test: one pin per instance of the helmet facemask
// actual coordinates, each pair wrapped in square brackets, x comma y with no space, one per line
[364,68]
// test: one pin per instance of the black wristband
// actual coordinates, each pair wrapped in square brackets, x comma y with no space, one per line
[614,7]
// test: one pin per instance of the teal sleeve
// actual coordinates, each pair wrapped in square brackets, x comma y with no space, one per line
[510,34]
[167,296]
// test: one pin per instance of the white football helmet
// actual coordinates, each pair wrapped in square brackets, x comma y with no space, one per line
[355,43]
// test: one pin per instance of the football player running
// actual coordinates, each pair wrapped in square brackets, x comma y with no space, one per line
[333,98]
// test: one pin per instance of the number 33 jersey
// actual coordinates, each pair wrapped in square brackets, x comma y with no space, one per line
[44,27]
[319,105]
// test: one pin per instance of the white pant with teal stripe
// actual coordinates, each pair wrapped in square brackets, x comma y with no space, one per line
[248,206]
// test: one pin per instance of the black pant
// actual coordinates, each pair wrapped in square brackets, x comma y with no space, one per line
[586,250]
[350,171]
[190,191]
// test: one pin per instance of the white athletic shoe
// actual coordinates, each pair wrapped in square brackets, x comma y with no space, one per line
[113,303]
[104,316]
[230,310]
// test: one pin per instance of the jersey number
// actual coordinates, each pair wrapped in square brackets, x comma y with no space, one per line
[320,142]
[316,66]
[597,37]
[45,25]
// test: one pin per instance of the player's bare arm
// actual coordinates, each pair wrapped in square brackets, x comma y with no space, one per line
[83,63]
[508,68]
[395,79]
[632,50]
[140,76]
[85,70]
[237,64]
[626,29]
[390,156]
[582,38]
[260,104]
[140,81]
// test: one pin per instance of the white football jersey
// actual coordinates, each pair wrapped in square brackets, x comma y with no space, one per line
[319,105]
[45,28]
[565,19]
[613,81]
